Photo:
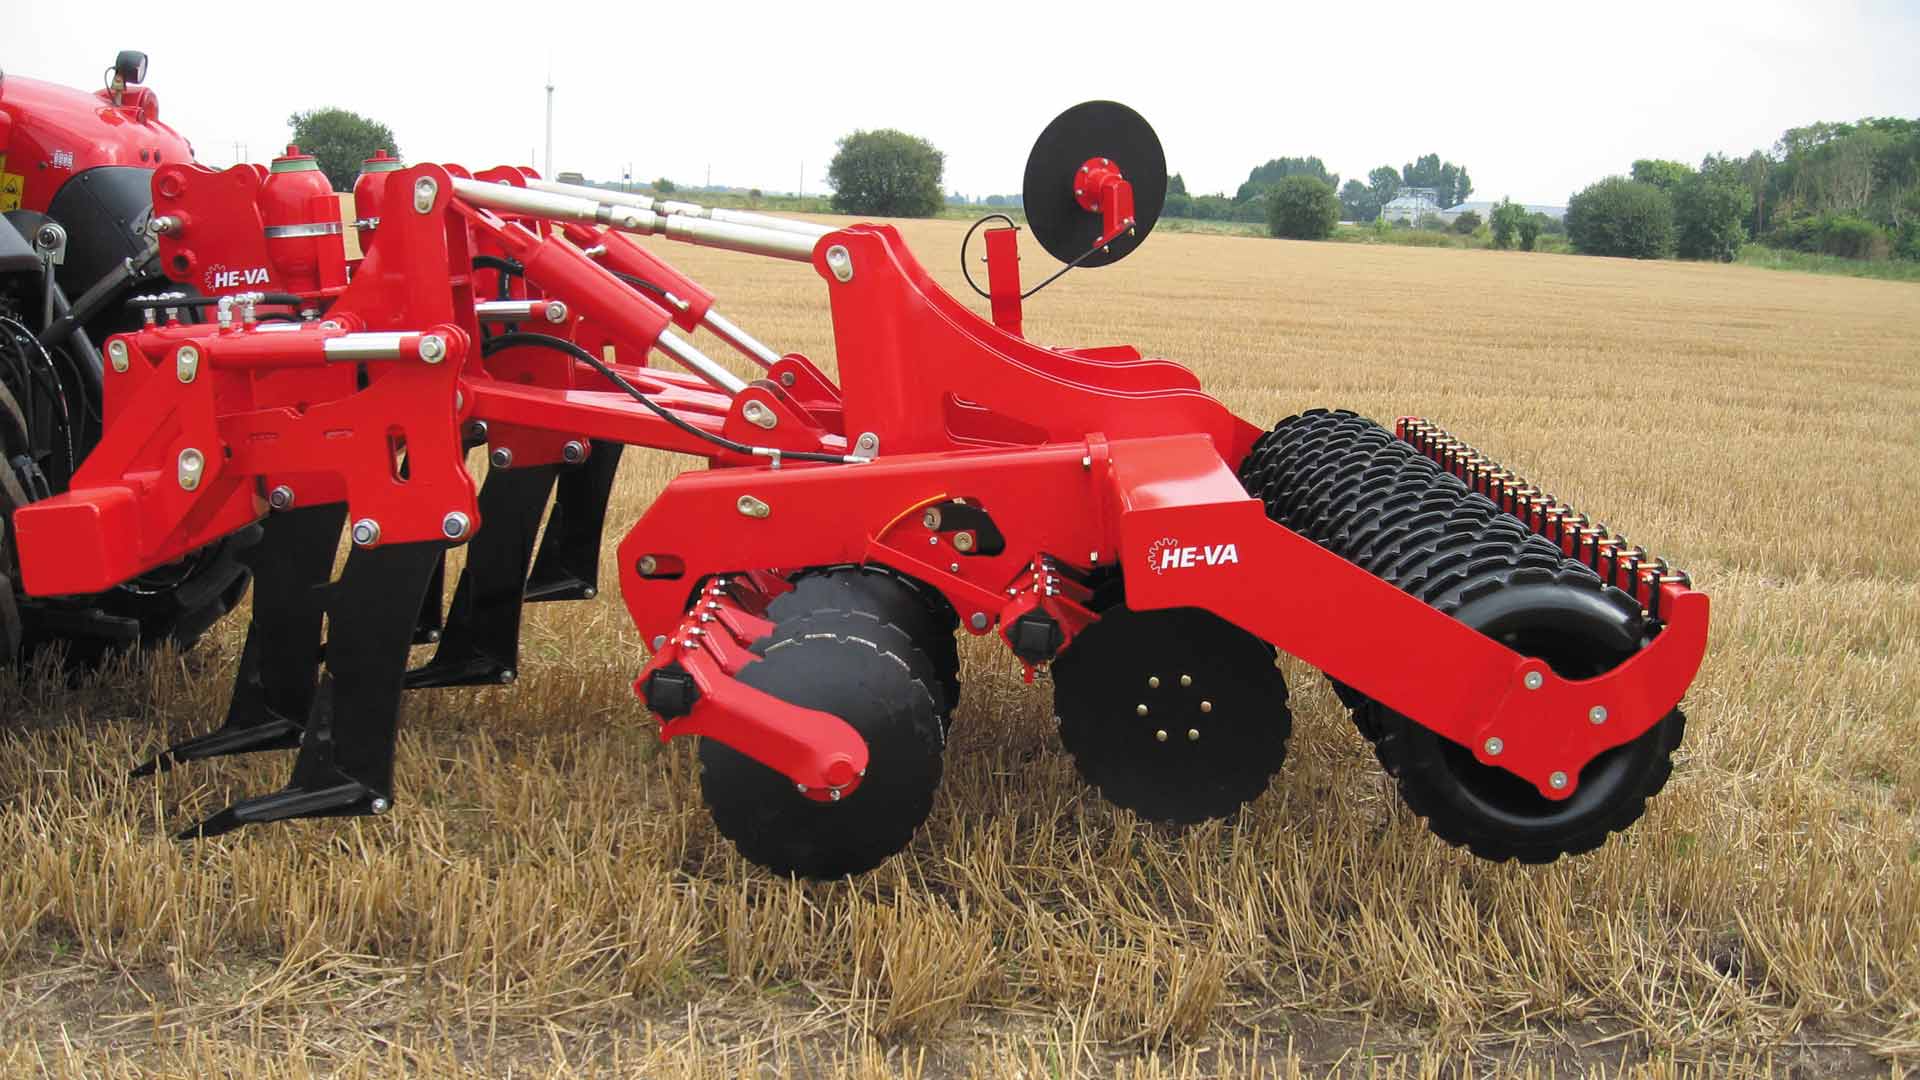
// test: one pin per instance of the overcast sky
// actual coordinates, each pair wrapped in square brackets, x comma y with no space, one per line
[1537,100]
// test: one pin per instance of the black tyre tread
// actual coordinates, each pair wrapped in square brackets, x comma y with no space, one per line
[1344,482]
[774,826]
[927,621]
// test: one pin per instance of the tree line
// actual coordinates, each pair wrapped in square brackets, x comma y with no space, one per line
[1845,189]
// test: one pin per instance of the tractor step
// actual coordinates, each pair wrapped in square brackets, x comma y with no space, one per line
[1629,568]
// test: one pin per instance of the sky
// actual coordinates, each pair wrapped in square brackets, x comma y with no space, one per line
[1536,100]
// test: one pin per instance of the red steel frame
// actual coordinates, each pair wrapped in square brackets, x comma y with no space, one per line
[1083,459]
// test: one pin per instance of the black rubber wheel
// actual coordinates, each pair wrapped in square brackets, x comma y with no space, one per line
[924,615]
[1346,483]
[1174,714]
[863,670]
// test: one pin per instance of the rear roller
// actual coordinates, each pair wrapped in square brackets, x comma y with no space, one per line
[868,673]
[1176,715]
[1349,485]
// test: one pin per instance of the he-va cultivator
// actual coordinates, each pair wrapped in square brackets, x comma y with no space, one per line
[213,391]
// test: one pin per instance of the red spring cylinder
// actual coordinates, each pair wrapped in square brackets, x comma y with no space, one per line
[368,189]
[295,187]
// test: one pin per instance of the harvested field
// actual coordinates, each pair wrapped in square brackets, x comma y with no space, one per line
[550,899]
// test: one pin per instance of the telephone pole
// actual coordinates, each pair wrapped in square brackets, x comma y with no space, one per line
[547,169]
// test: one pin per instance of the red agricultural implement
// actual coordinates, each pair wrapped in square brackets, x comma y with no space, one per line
[211,392]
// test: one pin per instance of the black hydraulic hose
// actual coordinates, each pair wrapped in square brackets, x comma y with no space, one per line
[506,266]
[288,299]
[639,282]
[91,368]
[548,341]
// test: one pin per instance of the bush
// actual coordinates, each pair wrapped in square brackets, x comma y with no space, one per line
[1508,217]
[1466,223]
[1302,208]
[887,173]
[1710,218]
[1623,217]
[1842,235]
[1432,223]
[664,186]
[1530,227]
[1178,204]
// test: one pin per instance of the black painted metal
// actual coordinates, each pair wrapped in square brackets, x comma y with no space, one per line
[568,566]
[1092,129]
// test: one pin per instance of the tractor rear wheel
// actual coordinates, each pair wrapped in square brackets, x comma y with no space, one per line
[1349,485]
[867,671]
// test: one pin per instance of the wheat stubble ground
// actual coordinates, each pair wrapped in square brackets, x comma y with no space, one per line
[549,898]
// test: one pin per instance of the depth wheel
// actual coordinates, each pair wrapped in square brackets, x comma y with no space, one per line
[1174,714]
[865,672]
[1349,485]
[923,615]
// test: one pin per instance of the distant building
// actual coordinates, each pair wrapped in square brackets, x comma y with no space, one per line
[1485,210]
[1410,204]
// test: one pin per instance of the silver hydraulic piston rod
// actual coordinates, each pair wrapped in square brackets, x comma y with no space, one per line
[731,236]
[672,208]
[698,362]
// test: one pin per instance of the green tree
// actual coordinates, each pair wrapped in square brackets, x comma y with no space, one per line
[1264,178]
[339,141]
[1302,208]
[1668,176]
[1618,216]
[1709,217]
[664,186]
[1384,182]
[1449,182]
[886,173]
[1176,184]
[1357,202]
[1466,223]
[1530,227]
[1506,220]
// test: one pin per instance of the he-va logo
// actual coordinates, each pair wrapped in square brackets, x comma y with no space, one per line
[219,277]
[1166,554]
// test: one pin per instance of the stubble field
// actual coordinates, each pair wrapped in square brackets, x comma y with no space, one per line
[549,898]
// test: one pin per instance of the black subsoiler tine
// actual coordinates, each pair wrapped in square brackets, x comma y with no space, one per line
[568,567]
[427,628]
[481,644]
[273,692]
[345,765]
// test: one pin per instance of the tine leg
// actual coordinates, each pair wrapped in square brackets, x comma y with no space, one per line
[345,765]
[568,567]
[273,691]
[481,643]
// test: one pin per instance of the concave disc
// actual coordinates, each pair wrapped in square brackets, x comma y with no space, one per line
[1092,129]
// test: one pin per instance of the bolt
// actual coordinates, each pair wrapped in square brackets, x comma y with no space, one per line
[953,568]
[280,498]
[1160,735]
[1206,706]
[647,565]
[117,352]
[868,441]
[659,642]
[840,263]
[979,620]
[786,378]
[1140,710]
[1193,734]
[1597,714]
[934,540]
[1086,461]
[501,457]
[963,541]
[801,788]
[589,593]
[455,525]
[1093,556]
[477,430]
[574,452]
[509,675]
[931,519]
[191,462]
[556,311]
[433,348]
[424,191]
[1558,781]
[1533,680]
[833,794]
[1153,682]
[759,415]
[366,532]
[381,806]
[1186,680]
[752,507]
[1494,746]
[186,363]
